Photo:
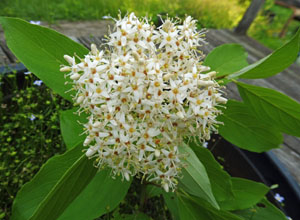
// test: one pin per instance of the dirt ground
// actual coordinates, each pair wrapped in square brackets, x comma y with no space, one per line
[78,28]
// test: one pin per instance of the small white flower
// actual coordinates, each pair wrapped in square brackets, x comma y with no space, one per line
[279,198]
[27,73]
[38,82]
[105,17]
[35,22]
[32,117]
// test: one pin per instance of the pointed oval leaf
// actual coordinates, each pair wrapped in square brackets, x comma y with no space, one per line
[41,50]
[101,196]
[170,199]
[67,188]
[195,178]
[226,59]
[71,198]
[220,180]
[43,183]
[243,129]
[196,209]
[272,107]
[246,194]
[263,210]
[273,63]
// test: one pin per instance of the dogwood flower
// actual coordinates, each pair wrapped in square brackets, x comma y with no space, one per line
[143,95]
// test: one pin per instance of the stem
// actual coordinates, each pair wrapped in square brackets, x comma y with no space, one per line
[235,81]
[143,198]
[220,77]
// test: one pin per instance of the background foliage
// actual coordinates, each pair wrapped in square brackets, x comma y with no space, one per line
[29,133]
[211,14]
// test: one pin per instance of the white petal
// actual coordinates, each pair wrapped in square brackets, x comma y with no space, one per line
[157,153]
[69,59]
[126,175]
[166,187]
[153,132]
[221,100]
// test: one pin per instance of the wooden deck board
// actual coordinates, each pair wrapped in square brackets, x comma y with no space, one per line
[3,58]
[10,56]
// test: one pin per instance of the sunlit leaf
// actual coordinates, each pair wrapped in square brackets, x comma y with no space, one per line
[226,59]
[242,128]
[272,64]
[272,107]
[41,50]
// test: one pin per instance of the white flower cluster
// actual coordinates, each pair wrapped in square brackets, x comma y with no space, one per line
[144,94]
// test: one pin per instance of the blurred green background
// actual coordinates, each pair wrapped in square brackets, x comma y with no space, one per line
[210,13]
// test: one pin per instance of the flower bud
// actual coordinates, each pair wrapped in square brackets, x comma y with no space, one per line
[69,59]
[166,187]
[65,69]
[126,175]
[94,49]
[206,83]
[87,141]
[75,76]
[80,99]
[221,100]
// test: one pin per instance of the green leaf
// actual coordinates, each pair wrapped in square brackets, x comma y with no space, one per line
[220,180]
[102,195]
[137,216]
[61,190]
[51,178]
[195,178]
[226,59]
[246,192]
[41,50]
[272,107]
[71,130]
[242,128]
[171,202]
[263,210]
[195,209]
[273,63]
[67,188]
[152,191]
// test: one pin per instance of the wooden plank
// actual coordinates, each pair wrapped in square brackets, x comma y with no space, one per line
[12,58]
[3,58]
[74,39]
[87,41]
[290,159]
[249,48]
[249,16]
[251,42]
